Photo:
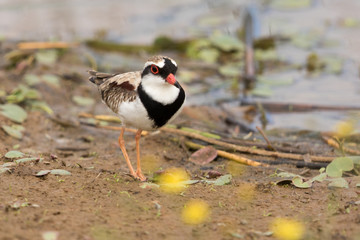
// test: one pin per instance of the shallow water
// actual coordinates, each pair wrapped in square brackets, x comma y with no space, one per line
[141,21]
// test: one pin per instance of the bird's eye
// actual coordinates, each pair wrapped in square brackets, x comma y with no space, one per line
[154,69]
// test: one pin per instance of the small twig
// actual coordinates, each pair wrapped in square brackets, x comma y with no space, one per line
[266,138]
[331,142]
[227,155]
[45,45]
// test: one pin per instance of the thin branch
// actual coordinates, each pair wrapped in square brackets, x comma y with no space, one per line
[331,142]
[266,138]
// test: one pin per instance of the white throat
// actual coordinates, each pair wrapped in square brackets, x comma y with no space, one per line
[159,90]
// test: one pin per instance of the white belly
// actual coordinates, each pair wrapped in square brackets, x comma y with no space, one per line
[133,114]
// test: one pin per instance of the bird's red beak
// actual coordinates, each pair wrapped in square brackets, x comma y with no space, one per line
[171,79]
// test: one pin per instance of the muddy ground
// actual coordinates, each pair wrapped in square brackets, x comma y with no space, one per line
[100,201]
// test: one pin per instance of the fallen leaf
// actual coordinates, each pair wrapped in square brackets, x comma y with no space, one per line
[12,131]
[204,155]
[51,79]
[50,235]
[30,159]
[13,112]
[223,180]
[299,182]
[31,79]
[14,154]
[60,172]
[83,101]
[338,182]
[338,166]
[42,173]
[148,185]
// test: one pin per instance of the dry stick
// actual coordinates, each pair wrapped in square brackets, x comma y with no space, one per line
[250,150]
[265,137]
[45,45]
[227,155]
[331,142]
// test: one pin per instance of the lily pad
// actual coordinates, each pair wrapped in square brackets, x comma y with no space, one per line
[14,154]
[338,166]
[226,43]
[14,132]
[230,70]
[83,101]
[13,112]
[204,155]
[60,172]
[208,55]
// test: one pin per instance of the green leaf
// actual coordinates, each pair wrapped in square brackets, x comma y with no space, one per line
[338,165]
[262,91]
[13,112]
[46,57]
[230,70]
[319,178]
[60,172]
[299,182]
[31,79]
[30,159]
[226,43]
[223,180]
[14,154]
[290,4]
[83,101]
[208,55]
[51,79]
[338,182]
[149,185]
[16,133]
[41,105]
[42,173]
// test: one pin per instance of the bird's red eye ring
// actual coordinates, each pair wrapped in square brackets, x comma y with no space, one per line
[154,69]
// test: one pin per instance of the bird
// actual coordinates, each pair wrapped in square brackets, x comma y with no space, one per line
[145,100]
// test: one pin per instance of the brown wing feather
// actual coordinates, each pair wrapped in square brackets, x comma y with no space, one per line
[116,89]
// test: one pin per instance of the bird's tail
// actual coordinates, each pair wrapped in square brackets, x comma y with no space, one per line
[98,78]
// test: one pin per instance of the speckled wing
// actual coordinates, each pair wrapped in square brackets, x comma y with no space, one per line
[116,88]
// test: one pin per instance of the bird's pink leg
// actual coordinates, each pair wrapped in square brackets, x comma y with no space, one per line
[138,170]
[123,149]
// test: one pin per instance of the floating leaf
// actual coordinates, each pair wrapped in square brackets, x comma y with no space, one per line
[14,154]
[208,55]
[266,55]
[338,165]
[83,101]
[13,112]
[204,155]
[60,172]
[275,81]
[226,43]
[46,57]
[230,70]
[299,182]
[30,159]
[290,4]
[262,91]
[42,173]
[338,182]
[51,79]
[16,133]
[31,79]
[223,180]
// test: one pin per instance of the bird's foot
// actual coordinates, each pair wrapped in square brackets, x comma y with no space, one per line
[140,175]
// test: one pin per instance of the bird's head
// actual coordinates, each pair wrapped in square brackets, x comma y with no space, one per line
[161,70]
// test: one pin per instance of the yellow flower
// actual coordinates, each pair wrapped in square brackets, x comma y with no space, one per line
[195,212]
[345,128]
[173,180]
[287,229]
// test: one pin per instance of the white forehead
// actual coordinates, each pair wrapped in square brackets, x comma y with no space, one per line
[160,64]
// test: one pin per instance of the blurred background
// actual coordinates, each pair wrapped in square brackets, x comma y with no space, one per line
[306,52]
